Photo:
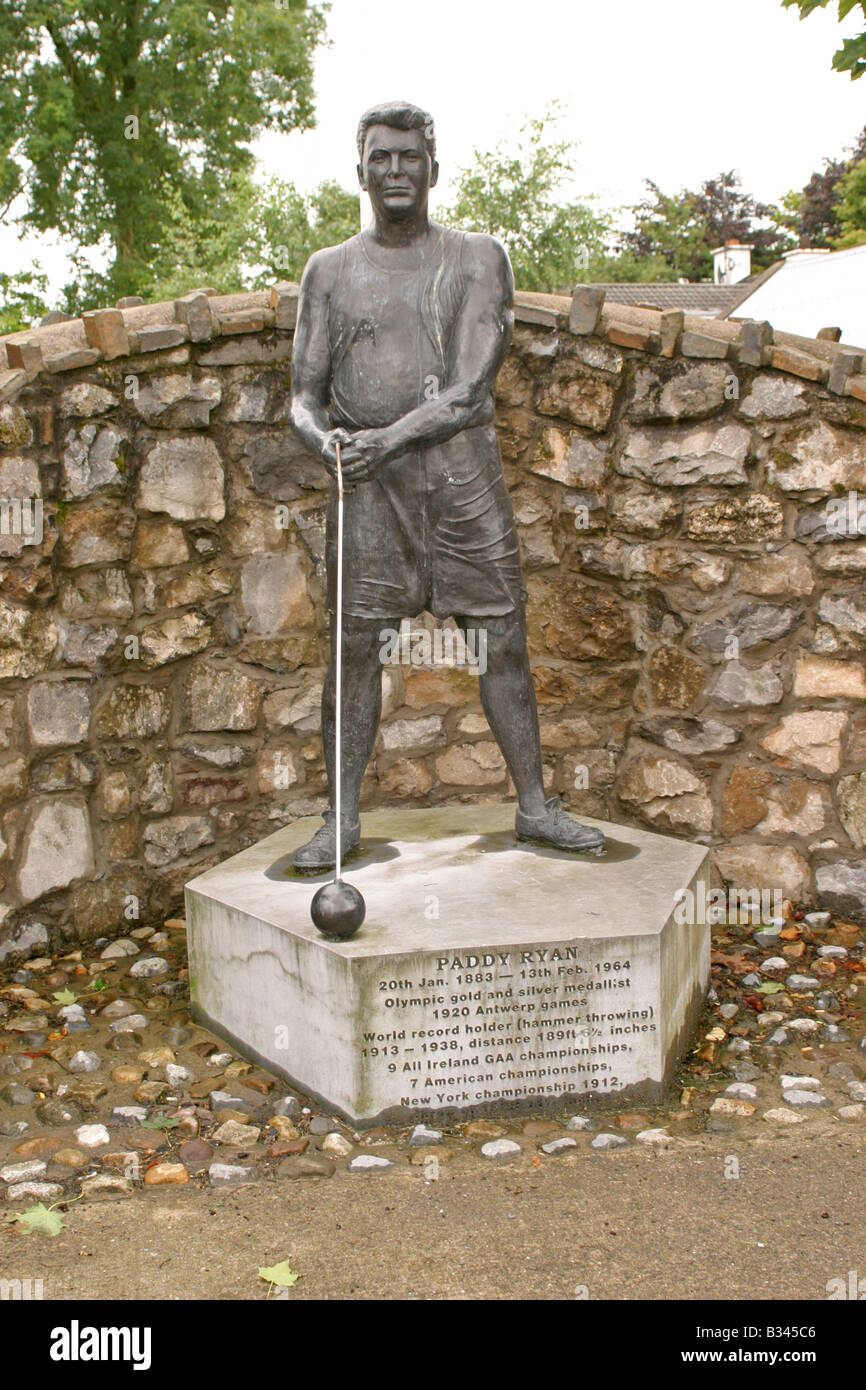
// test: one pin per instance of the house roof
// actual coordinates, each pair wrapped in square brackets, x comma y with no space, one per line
[814,290]
[717,300]
[701,298]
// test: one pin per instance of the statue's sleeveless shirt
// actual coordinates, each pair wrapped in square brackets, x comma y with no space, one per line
[433,528]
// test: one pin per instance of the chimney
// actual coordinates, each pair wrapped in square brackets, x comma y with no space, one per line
[732,263]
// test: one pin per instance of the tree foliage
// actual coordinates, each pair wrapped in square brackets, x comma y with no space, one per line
[22,298]
[122,121]
[514,193]
[814,215]
[852,207]
[679,232]
[851,57]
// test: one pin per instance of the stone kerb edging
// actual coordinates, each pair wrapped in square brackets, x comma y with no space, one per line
[200,316]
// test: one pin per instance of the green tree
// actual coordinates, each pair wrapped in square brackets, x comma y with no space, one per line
[290,226]
[852,207]
[22,298]
[514,194]
[813,214]
[113,113]
[851,57]
[681,231]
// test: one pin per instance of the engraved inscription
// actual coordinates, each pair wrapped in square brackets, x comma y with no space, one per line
[469,1027]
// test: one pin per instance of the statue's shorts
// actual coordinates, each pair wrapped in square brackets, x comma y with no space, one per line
[433,529]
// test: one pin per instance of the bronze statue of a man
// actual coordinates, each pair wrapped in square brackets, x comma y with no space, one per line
[401,331]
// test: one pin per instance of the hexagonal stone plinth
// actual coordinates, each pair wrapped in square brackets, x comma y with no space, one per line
[487,974]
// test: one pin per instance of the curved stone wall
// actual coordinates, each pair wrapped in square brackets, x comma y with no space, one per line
[691,499]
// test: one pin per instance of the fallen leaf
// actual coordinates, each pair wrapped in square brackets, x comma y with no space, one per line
[64,996]
[39,1218]
[738,963]
[282,1275]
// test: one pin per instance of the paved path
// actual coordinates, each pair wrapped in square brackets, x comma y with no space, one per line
[628,1225]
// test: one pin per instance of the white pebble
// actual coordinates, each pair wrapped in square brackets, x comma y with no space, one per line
[500,1148]
[794,1097]
[558,1146]
[72,1013]
[657,1137]
[37,1191]
[608,1141]
[19,1172]
[742,1090]
[148,967]
[117,950]
[370,1163]
[83,1061]
[334,1143]
[92,1136]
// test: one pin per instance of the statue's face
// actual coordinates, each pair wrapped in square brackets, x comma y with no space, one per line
[396,171]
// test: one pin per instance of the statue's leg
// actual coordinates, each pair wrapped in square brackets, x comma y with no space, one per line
[508,700]
[362,704]
[361,708]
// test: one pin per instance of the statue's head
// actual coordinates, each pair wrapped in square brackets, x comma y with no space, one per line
[397,154]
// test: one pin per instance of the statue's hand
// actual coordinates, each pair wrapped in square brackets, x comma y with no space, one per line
[367,451]
[329,452]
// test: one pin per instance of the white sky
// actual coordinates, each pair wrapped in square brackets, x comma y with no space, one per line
[672,90]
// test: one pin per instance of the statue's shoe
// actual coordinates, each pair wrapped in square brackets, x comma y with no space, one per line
[321,851]
[557,828]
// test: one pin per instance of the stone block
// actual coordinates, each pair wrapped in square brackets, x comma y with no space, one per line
[630,335]
[157,337]
[71,361]
[682,455]
[538,314]
[56,848]
[756,338]
[183,476]
[576,396]
[585,312]
[58,712]
[672,325]
[251,320]
[774,398]
[283,301]
[687,390]
[565,952]
[799,364]
[844,366]
[193,310]
[26,355]
[703,345]
[11,383]
[106,332]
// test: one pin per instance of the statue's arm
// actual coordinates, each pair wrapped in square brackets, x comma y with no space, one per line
[311,358]
[479,343]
